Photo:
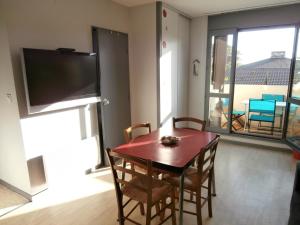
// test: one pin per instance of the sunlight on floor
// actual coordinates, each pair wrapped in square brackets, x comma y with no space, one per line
[70,191]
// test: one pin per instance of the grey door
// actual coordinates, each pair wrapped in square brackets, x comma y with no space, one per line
[112,49]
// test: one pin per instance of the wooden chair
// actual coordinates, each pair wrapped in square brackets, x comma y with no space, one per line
[189,119]
[142,188]
[128,136]
[202,123]
[128,133]
[195,178]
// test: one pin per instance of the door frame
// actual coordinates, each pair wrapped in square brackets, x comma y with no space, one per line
[95,45]
[99,113]
[229,95]
[290,99]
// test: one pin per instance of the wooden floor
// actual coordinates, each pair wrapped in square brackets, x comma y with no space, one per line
[10,200]
[254,187]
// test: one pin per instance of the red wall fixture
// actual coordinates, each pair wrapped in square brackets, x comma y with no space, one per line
[296,154]
[164,13]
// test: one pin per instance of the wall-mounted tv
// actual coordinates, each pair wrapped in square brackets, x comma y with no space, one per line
[53,76]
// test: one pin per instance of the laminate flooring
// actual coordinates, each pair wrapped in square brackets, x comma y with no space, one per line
[10,200]
[254,187]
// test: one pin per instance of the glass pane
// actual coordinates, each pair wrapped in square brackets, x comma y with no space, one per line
[293,130]
[262,72]
[218,112]
[296,80]
[221,55]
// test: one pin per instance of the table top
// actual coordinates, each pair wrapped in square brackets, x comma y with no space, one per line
[174,158]
[278,103]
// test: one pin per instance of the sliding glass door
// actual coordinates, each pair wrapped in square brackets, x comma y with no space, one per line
[262,73]
[220,64]
[239,69]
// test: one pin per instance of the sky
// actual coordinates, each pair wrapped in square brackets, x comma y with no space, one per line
[255,45]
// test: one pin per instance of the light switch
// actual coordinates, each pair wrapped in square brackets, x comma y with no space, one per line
[9,97]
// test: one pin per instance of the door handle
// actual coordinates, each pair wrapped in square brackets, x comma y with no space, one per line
[104,101]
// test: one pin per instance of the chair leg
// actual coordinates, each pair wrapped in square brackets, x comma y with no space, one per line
[209,194]
[157,208]
[121,219]
[238,119]
[248,125]
[148,214]
[163,212]
[142,209]
[198,206]
[272,128]
[157,204]
[132,168]
[214,193]
[124,166]
[173,208]
[191,196]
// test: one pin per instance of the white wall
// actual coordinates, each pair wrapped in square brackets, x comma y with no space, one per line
[168,65]
[198,51]
[52,24]
[183,65]
[13,167]
[143,75]
[174,65]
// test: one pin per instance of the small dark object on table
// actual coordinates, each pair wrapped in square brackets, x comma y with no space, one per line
[169,140]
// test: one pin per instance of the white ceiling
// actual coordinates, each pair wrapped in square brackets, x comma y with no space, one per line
[196,8]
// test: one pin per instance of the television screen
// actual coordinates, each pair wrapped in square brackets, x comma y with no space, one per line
[55,76]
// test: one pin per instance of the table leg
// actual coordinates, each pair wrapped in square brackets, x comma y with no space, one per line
[181,198]
[246,118]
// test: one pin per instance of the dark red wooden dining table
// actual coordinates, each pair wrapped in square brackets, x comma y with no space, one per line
[174,159]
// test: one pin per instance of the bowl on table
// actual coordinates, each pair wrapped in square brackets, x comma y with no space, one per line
[169,140]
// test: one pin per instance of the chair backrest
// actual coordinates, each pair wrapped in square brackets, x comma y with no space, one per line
[279,98]
[117,171]
[206,159]
[202,123]
[128,132]
[262,106]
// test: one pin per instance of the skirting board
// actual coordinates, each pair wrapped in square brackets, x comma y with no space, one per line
[17,190]
[255,143]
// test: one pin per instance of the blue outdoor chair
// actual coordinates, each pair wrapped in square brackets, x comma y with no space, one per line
[278,112]
[235,115]
[262,111]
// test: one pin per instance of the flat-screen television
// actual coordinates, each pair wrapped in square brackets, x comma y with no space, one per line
[53,76]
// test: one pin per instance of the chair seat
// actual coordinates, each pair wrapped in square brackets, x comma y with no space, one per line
[191,179]
[238,113]
[262,118]
[279,113]
[136,190]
